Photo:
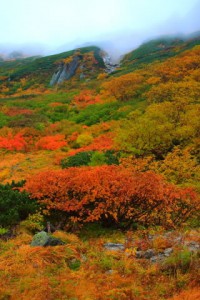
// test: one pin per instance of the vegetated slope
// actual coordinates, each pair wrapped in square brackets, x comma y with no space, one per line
[111,152]
[40,70]
[158,50]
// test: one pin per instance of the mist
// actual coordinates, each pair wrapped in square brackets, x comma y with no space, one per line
[44,27]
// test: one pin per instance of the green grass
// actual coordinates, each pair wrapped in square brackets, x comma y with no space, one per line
[97,113]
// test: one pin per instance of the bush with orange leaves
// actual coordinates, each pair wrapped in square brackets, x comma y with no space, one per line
[53,142]
[13,142]
[85,98]
[113,194]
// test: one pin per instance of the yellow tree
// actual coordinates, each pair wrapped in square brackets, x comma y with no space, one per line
[124,87]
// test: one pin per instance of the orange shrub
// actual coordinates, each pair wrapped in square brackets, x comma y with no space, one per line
[113,194]
[86,98]
[101,143]
[13,143]
[51,142]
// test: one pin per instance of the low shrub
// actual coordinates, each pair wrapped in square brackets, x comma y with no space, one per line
[15,206]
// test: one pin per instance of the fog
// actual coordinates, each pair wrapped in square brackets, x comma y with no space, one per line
[43,27]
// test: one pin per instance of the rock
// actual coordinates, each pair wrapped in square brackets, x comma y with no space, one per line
[83,258]
[44,239]
[82,76]
[115,247]
[168,251]
[110,66]
[110,272]
[65,71]
[145,254]
[192,246]
[157,258]
[149,253]
[178,240]
[139,254]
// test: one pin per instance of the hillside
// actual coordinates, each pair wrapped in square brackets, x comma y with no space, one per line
[39,71]
[158,50]
[111,160]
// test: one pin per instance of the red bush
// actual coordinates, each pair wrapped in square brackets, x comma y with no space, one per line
[113,193]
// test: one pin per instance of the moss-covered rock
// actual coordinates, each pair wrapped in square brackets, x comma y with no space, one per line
[44,239]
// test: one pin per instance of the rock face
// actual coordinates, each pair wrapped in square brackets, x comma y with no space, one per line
[44,239]
[110,67]
[65,71]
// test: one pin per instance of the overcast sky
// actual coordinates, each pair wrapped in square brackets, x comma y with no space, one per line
[54,25]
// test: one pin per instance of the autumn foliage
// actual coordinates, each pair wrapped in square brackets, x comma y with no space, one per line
[124,87]
[13,142]
[113,194]
[85,98]
[102,142]
[51,142]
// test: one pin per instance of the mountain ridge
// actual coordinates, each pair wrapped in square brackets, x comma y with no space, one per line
[91,61]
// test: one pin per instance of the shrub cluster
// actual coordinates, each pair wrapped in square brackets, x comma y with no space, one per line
[113,194]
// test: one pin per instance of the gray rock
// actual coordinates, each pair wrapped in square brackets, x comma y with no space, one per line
[157,258]
[113,246]
[168,251]
[65,71]
[83,258]
[44,239]
[149,253]
[110,272]
[82,76]
[145,254]
[178,240]
[192,246]
[139,254]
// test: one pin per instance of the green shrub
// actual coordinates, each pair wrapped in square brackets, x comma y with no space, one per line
[33,223]
[96,113]
[3,231]
[3,120]
[93,158]
[97,159]
[74,264]
[84,139]
[15,206]
[80,159]
[179,261]
[112,157]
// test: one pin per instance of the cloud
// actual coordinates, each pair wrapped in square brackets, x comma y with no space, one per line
[62,24]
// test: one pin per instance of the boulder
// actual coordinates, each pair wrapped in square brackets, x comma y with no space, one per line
[113,246]
[44,239]
[149,253]
[168,251]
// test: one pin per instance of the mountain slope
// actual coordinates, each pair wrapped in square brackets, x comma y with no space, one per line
[40,70]
[158,50]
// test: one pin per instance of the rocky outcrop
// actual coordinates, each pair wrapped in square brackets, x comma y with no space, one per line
[110,66]
[158,247]
[65,71]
